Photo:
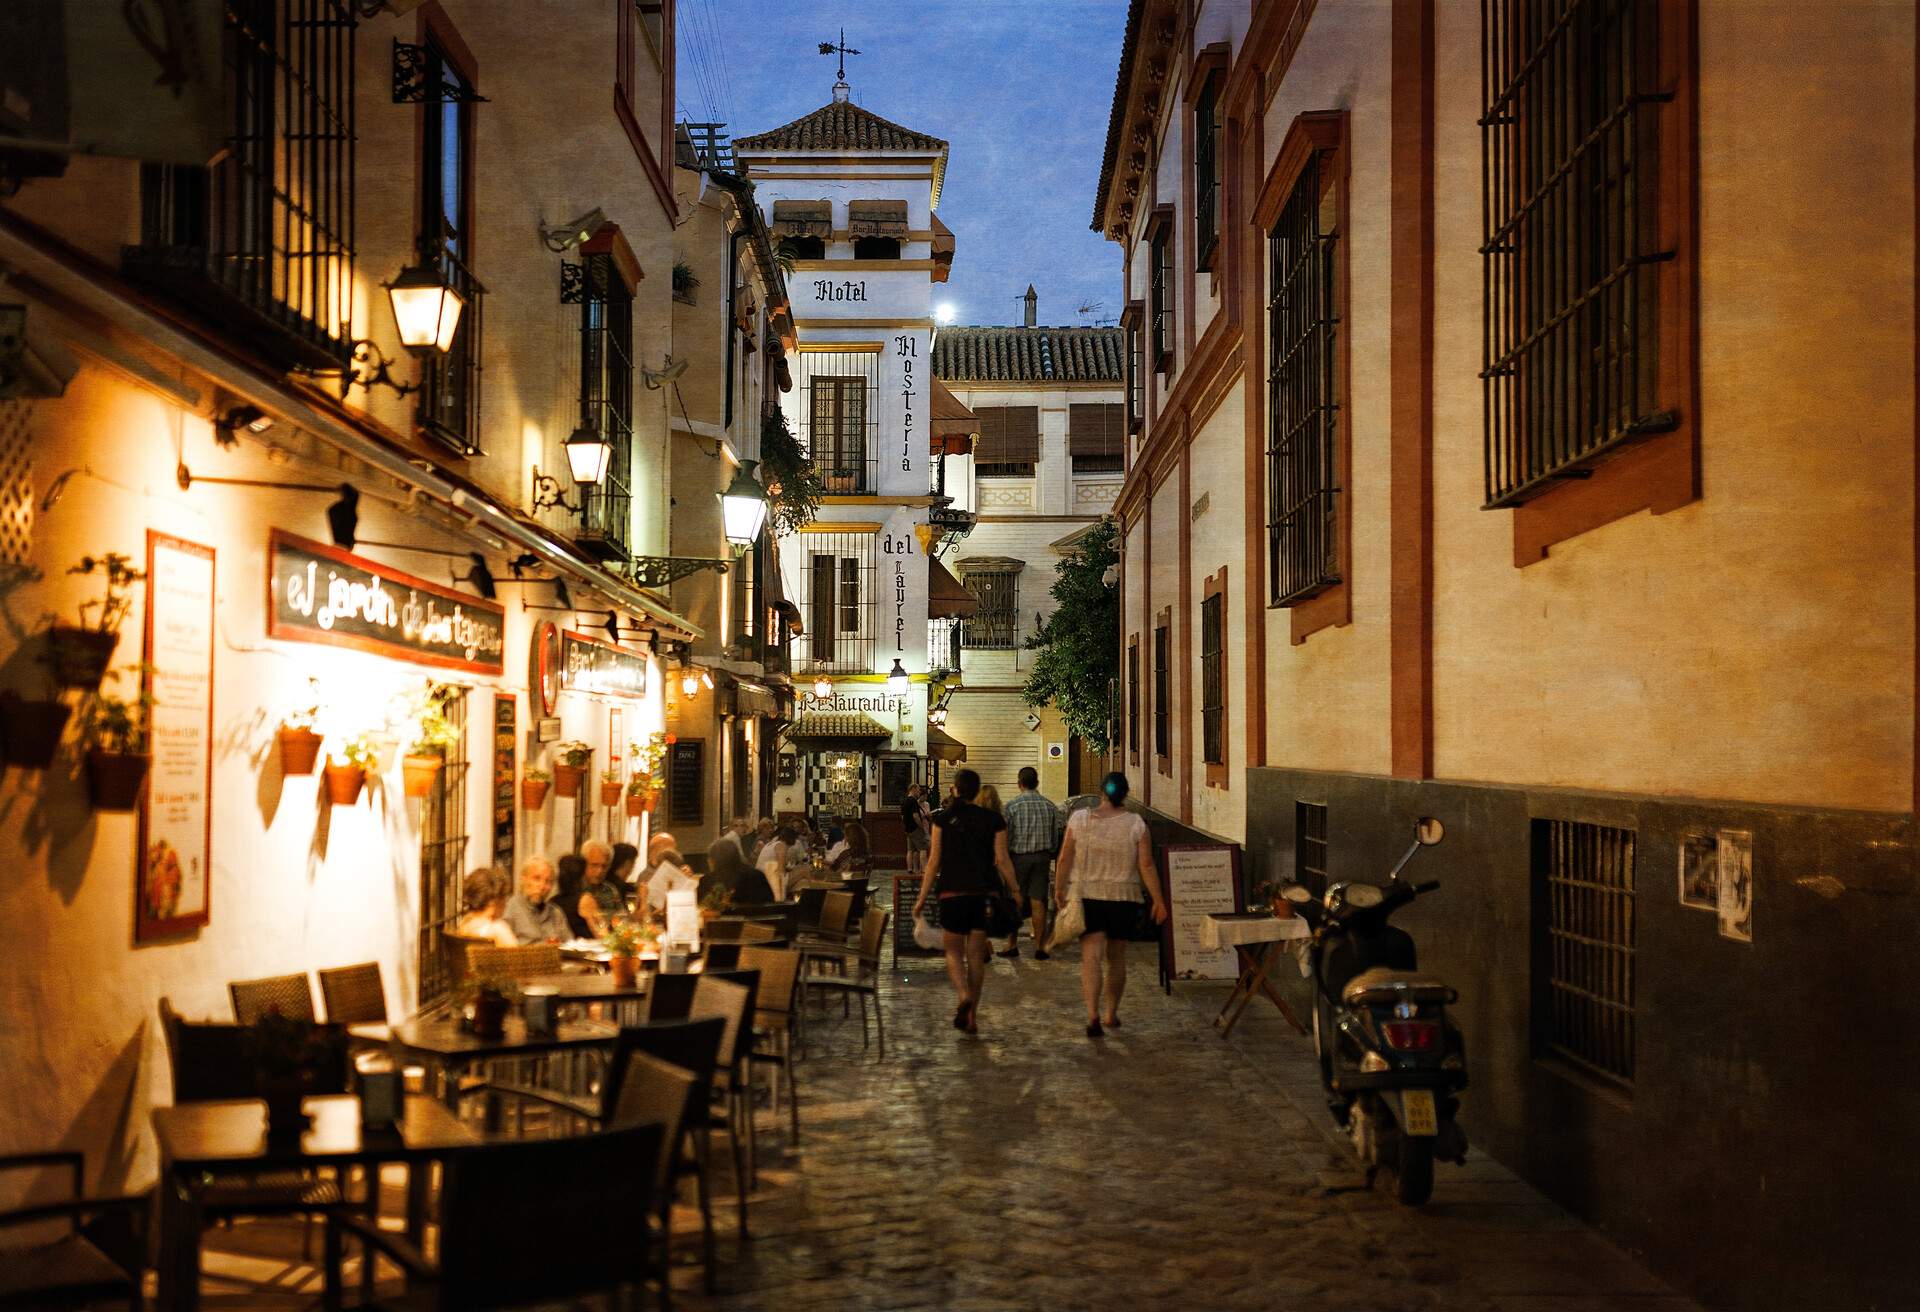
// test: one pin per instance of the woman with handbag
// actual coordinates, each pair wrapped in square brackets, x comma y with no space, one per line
[968,862]
[1107,858]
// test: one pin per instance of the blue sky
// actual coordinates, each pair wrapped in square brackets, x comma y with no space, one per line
[1019,88]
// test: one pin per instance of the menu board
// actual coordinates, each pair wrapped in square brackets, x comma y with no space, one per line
[318,593]
[506,729]
[686,775]
[173,856]
[1201,879]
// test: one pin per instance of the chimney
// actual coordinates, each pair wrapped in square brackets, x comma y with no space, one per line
[1033,305]
[840,93]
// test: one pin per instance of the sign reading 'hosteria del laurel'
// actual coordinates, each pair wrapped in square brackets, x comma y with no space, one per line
[322,594]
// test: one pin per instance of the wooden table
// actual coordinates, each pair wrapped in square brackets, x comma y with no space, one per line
[1258,939]
[230,1137]
[622,1000]
[443,1043]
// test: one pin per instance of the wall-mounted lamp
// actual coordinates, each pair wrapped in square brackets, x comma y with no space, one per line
[689,683]
[426,313]
[588,456]
[563,600]
[743,508]
[897,678]
[822,687]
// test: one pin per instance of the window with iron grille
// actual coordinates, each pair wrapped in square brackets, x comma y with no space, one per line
[1568,149]
[1213,680]
[1303,400]
[1206,174]
[837,601]
[1310,845]
[1160,291]
[1133,698]
[606,397]
[450,389]
[1136,378]
[943,642]
[261,242]
[1163,691]
[443,857]
[838,420]
[1584,942]
[995,625]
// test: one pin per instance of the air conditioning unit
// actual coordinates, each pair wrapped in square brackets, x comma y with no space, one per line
[31,364]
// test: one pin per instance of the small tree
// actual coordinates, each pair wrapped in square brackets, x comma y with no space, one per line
[793,484]
[1079,645]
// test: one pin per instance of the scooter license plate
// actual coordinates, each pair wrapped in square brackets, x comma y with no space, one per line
[1417,1114]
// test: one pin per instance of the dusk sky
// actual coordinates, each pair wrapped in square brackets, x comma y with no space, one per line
[1019,88]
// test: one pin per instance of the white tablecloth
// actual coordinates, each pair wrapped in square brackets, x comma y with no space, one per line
[1220,931]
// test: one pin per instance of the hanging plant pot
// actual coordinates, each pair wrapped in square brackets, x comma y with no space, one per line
[114,778]
[417,774]
[344,783]
[638,804]
[567,779]
[299,750]
[533,793]
[610,792]
[80,656]
[30,731]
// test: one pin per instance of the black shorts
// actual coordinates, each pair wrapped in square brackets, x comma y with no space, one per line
[964,913]
[1034,871]
[1116,920]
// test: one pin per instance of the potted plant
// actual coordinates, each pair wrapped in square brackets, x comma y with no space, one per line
[609,788]
[685,281]
[299,740]
[1271,895]
[348,775]
[82,652]
[622,941]
[114,731]
[571,770]
[433,734]
[714,902]
[534,783]
[493,997]
[289,1058]
[639,794]
[30,730]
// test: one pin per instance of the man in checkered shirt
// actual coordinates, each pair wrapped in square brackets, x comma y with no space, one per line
[1034,826]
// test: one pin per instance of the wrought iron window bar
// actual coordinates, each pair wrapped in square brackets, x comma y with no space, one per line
[1585,977]
[1162,691]
[1206,175]
[606,405]
[839,420]
[995,626]
[1213,684]
[837,603]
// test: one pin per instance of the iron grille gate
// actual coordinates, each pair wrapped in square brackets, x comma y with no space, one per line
[1567,155]
[836,597]
[839,421]
[1584,955]
[443,857]
[1303,401]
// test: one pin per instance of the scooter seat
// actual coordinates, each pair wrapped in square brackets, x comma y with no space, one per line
[1382,984]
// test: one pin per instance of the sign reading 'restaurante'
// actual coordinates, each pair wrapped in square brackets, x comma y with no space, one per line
[322,594]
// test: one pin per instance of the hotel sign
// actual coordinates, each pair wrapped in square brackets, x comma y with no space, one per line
[321,594]
[587,665]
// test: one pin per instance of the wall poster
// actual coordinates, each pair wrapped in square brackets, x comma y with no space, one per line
[506,730]
[1699,871]
[173,879]
[1736,884]
[1200,880]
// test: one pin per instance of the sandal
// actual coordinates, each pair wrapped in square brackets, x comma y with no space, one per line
[973,1009]
[960,1017]
[1094,1031]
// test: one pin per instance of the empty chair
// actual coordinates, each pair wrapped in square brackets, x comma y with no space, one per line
[774,1020]
[513,963]
[670,996]
[756,931]
[290,995]
[855,973]
[723,929]
[809,901]
[730,998]
[723,955]
[587,1190]
[99,1257]
[653,1091]
[354,995]
[831,928]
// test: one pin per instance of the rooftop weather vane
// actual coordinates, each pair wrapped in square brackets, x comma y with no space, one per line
[842,50]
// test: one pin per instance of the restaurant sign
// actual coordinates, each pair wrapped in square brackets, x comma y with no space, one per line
[587,665]
[321,594]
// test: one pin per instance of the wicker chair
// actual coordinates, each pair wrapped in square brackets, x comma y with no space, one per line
[862,980]
[290,995]
[355,995]
[669,997]
[831,927]
[730,998]
[775,1021]
[757,931]
[100,1256]
[656,1092]
[513,963]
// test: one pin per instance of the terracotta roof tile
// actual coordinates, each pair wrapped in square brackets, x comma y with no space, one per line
[840,126]
[1008,355]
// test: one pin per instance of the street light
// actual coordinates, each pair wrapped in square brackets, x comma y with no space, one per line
[588,455]
[743,507]
[897,677]
[822,687]
[426,308]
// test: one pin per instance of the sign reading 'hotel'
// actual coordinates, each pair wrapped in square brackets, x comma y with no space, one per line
[322,594]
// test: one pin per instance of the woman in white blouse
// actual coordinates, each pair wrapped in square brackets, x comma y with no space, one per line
[773,859]
[1107,860]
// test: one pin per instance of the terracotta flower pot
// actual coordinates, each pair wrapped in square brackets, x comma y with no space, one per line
[625,971]
[490,1015]
[417,774]
[567,779]
[610,793]
[638,804]
[533,793]
[114,778]
[80,656]
[299,750]
[1282,909]
[30,731]
[344,783]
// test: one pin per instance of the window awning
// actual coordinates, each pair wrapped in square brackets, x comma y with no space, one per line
[947,597]
[877,218]
[943,746]
[1009,434]
[942,250]
[837,731]
[745,698]
[954,425]
[1096,430]
[802,218]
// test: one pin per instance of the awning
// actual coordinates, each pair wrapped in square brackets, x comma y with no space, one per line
[947,597]
[1096,430]
[943,746]
[745,698]
[802,218]
[1009,434]
[954,425]
[877,218]
[942,250]
[837,731]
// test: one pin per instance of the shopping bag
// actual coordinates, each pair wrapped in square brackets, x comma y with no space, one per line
[1069,923]
[925,935]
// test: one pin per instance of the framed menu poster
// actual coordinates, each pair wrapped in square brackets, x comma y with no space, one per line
[1201,878]
[173,876]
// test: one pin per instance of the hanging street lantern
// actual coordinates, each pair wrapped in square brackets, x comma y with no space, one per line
[588,455]
[743,508]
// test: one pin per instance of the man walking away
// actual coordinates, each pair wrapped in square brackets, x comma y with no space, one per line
[1034,825]
[913,820]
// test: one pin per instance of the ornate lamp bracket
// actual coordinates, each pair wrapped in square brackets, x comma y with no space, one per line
[659,571]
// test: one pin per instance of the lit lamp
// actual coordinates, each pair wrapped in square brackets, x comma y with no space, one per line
[743,507]
[426,308]
[897,677]
[689,683]
[588,455]
[822,687]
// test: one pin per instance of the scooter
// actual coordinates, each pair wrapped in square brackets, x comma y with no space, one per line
[1391,1060]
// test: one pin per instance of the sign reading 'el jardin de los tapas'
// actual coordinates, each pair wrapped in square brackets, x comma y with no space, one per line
[321,594]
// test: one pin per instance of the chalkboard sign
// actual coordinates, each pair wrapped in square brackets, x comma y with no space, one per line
[686,777]
[506,732]
[321,594]
[1200,879]
[905,889]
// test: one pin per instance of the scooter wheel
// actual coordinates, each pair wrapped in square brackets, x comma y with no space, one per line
[1413,1172]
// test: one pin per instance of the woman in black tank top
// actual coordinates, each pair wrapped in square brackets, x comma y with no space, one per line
[968,864]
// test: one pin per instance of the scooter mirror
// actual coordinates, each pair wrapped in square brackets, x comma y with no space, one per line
[1297,893]
[1428,831]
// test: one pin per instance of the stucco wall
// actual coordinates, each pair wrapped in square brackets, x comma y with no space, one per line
[1219,539]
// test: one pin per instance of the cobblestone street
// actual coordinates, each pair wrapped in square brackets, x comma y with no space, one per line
[1032,1167]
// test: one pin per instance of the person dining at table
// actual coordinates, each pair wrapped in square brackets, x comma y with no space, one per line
[624,872]
[601,900]
[531,913]
[669,873]
[484,896]
[774,858]
[854,853]
[725,869]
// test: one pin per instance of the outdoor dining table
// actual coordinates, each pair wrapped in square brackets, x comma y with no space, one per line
[1258,938]
[440,1041]
[622,999]
[230,1136]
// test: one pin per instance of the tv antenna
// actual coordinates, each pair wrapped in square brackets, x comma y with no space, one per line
[842,50]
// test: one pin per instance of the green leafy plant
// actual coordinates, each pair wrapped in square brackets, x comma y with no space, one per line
[610,776]
[1079,644]
[108,612]
[360,750]
[117,724]
[433,732]
[794,486]
[716,899]
[575,754]
[533,774]
[624,937]
[493,986]
[785,256]
[684,278]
